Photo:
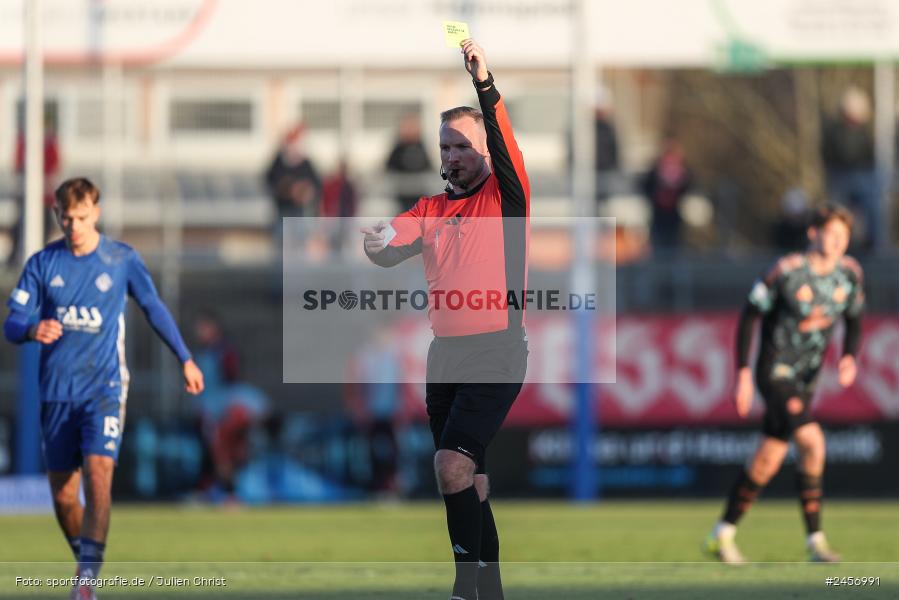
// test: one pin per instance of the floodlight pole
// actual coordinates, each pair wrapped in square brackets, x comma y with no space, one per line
[33,217]
[27,450]
[584,418]
[113,148]
[111,86]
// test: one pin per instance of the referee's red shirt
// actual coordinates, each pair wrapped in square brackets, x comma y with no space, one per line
[474,245]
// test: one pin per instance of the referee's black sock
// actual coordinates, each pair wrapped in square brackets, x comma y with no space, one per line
[741,497]
[810,496]
[490,585]
[463,519]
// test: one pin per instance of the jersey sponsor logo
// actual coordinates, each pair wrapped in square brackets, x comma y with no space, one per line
[57,282]
[103,282]
[20,296]
[80,318]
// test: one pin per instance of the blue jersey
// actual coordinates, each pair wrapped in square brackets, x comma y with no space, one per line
[87,295]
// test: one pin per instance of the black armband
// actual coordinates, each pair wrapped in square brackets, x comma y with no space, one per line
[485,85]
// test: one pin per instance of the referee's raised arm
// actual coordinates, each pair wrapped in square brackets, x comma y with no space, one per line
[475,60]
[507,162]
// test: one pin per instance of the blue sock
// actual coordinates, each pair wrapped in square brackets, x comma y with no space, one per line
[75,545]
[91,558]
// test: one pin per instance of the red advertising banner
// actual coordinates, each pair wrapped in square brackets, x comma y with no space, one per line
[679,370]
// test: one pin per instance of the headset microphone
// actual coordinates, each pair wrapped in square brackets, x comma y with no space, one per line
[443,174]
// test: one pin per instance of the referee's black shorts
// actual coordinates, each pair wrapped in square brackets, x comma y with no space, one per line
[788,404]
[472,382]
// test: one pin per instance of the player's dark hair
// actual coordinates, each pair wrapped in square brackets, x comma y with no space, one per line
[75,191]
[459,112]
[830,212]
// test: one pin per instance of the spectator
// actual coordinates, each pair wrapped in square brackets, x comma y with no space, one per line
[214,351]
[293,183]
[51,171]
[606,145]
[790,230]
[374,404]
[847,150]
[665,186]
[408,161]
[236,439]
[221,427]
[339,199]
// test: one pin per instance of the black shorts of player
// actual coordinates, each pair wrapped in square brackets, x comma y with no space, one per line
[472,382]
[787,406]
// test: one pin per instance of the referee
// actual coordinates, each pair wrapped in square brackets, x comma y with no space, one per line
[473,241]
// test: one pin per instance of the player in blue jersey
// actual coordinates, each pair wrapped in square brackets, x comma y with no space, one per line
[71,299]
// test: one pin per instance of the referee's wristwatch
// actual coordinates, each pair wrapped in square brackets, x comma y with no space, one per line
[483,86]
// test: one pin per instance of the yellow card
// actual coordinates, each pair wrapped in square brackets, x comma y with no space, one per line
[454,32]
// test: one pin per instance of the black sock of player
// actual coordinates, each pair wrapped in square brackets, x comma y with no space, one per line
[75,545]
[91,558]
[490,585]
[810,496]
[463,519]
[741,497]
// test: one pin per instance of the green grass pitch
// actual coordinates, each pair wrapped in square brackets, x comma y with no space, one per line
[622,550]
